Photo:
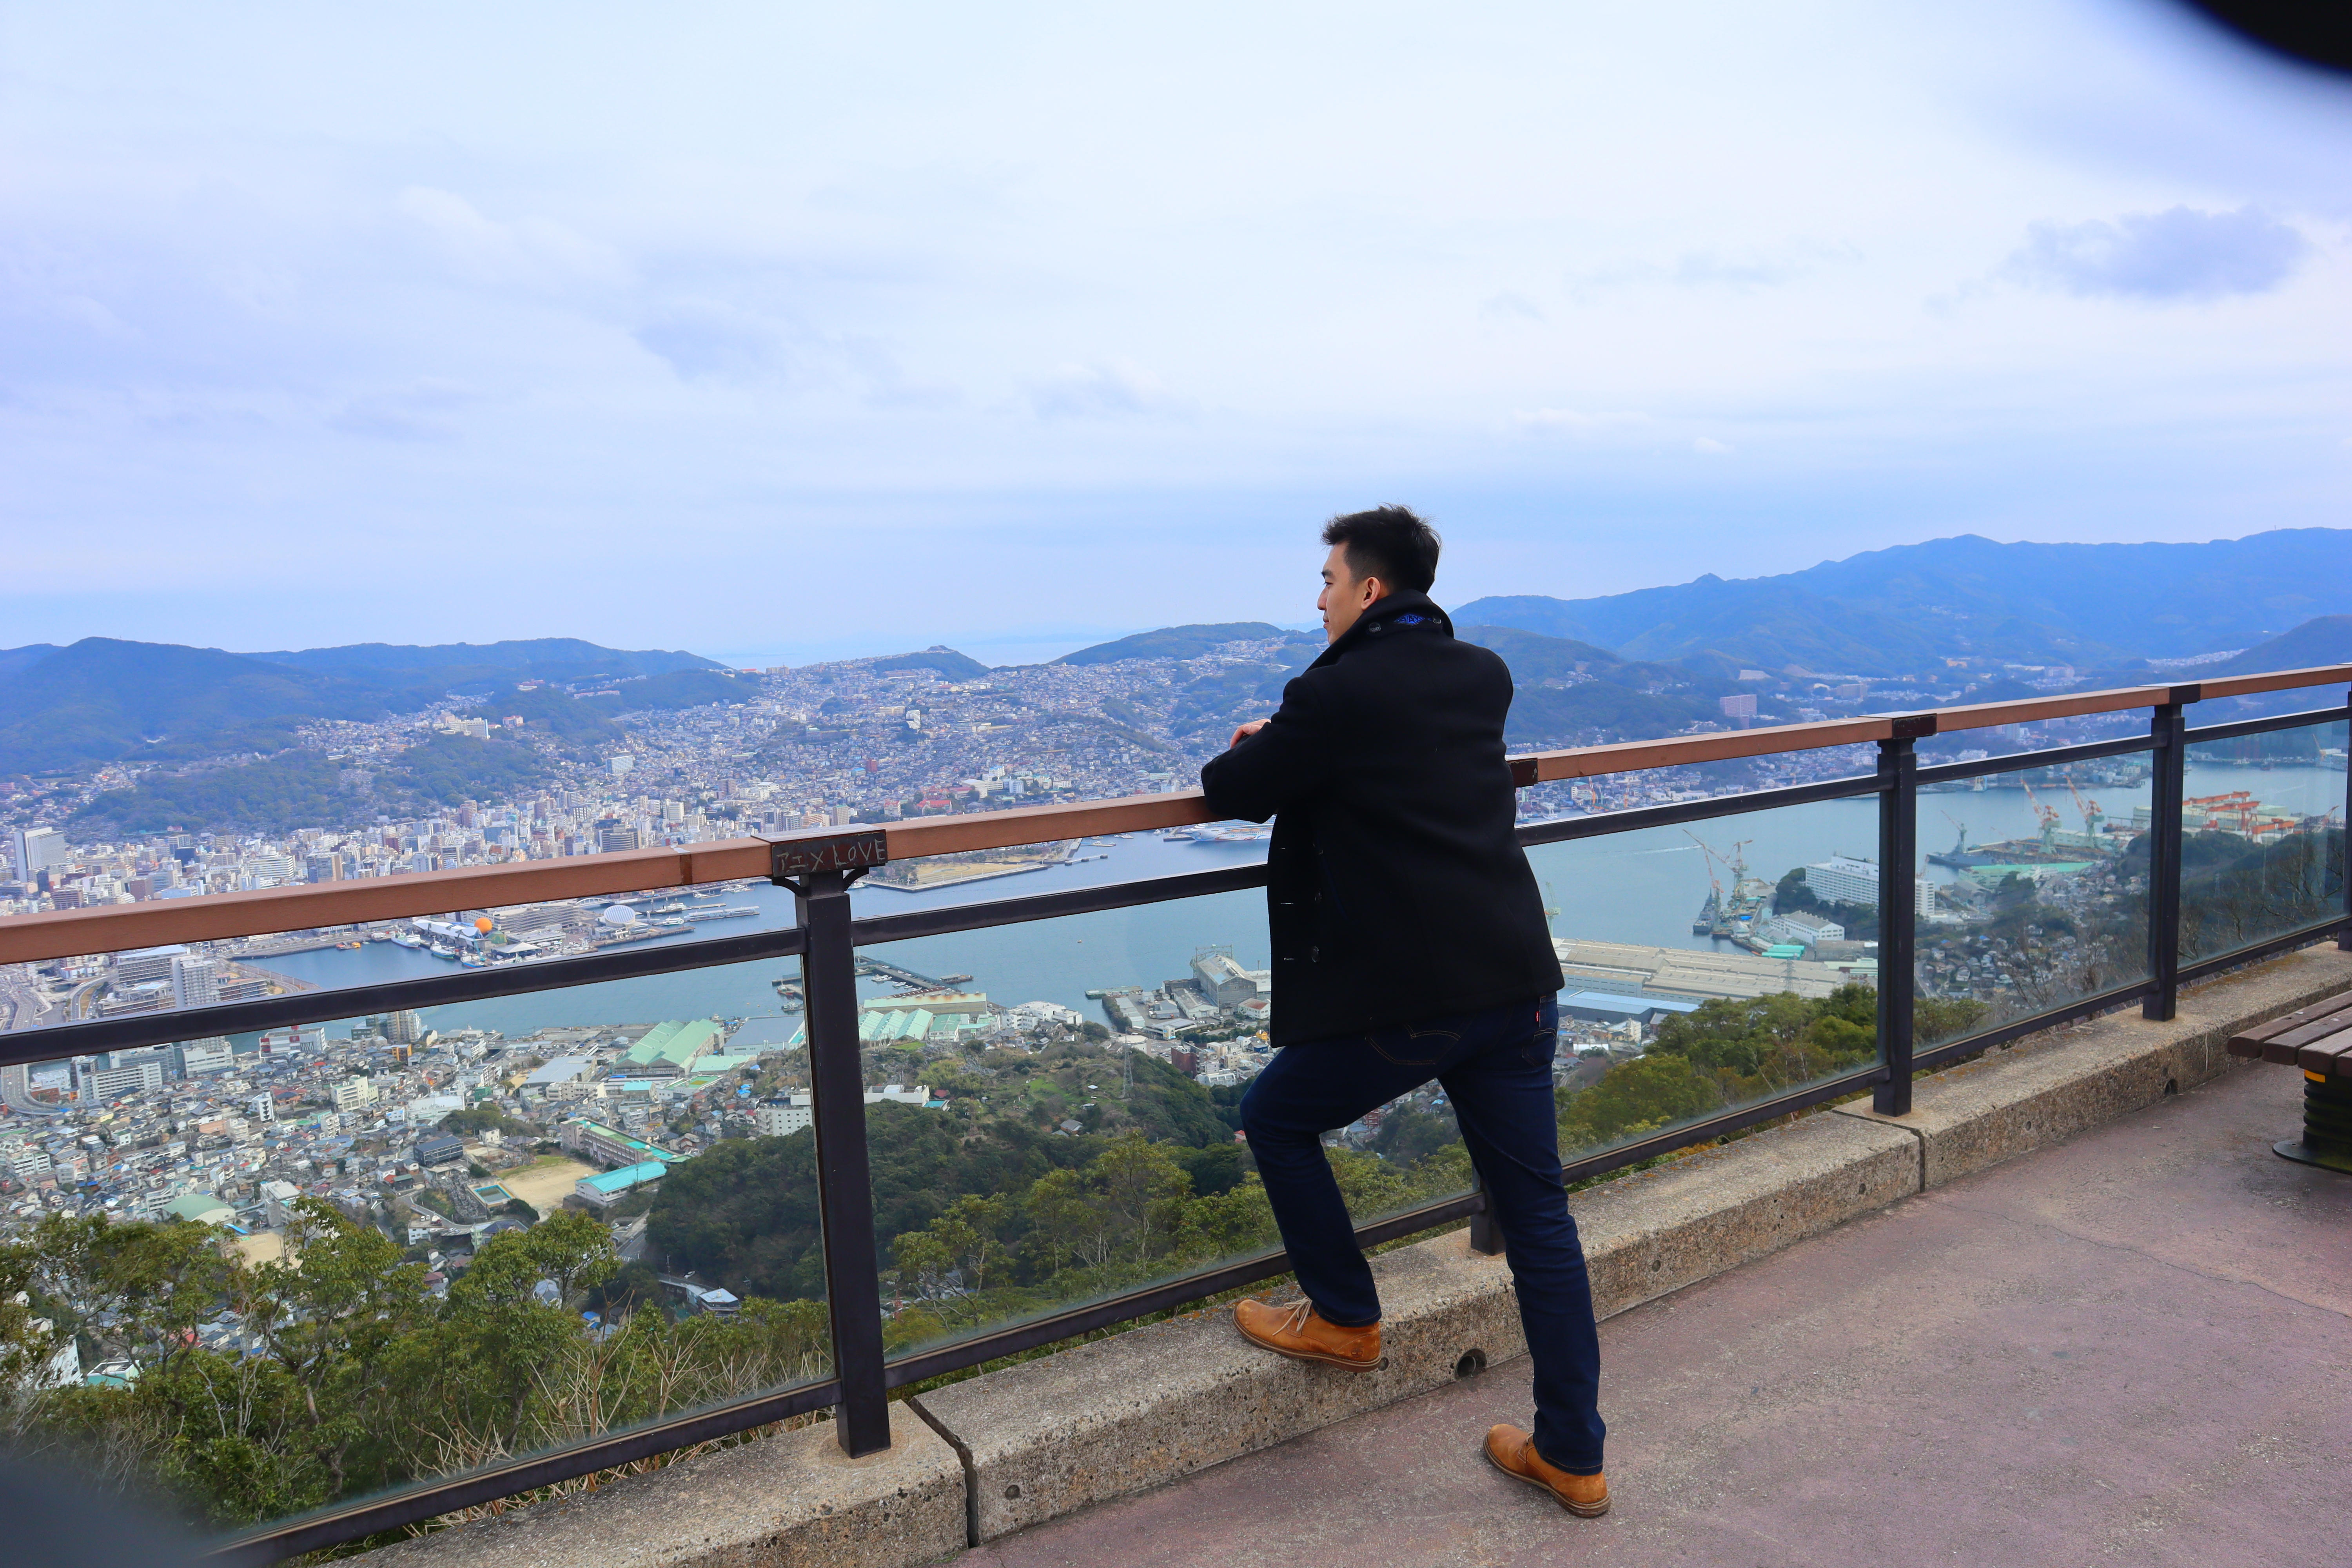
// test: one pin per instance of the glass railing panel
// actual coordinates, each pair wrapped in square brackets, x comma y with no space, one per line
[2033,893]
[1561,799]
[377,1250]
[1711,967]
[2262,837]
[1052,1109]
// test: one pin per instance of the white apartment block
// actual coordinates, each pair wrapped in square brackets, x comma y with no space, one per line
[1850,880]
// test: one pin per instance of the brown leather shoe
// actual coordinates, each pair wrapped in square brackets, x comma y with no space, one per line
[1513,1452]
[1299,1331]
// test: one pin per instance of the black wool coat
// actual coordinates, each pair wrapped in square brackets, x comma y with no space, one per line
[1397,891]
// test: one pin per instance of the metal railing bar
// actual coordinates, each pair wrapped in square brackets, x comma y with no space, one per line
[873,929]
[1562,830]
[1737,1120]
[2241,727]
[299,1007]
[113,927]
[428,1499]
[1950,1051]
[2303,936]
[2020,762]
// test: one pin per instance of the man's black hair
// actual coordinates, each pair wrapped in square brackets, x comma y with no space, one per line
[1389,542]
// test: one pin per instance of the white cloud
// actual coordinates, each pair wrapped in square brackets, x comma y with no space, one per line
[1577,421]
[1103,389]
[1509,306]
[426,411]
[1708,447]
[529,250]
[2178,254]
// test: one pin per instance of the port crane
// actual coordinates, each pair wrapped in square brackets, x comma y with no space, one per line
[2239,804]
[1721,911]
[2092,815]
[1959,844]
[2047,814]
[1713,909]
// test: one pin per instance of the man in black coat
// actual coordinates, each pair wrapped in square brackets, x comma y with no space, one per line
[1409,944]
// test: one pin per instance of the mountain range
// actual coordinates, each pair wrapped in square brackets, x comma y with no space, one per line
[1902,609]
[1642,663]
[103,699]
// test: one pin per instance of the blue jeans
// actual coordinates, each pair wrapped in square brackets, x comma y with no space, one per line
[1495,1068]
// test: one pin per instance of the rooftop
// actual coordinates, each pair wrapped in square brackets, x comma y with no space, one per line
[676,1043]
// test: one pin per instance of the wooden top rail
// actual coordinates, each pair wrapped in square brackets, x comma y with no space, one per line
[113,927]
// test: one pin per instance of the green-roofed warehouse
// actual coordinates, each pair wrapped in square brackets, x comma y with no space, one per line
[670,1049]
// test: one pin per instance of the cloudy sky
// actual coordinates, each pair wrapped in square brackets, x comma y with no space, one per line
[780,330]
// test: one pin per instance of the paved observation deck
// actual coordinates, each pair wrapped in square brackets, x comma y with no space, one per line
[2132,1347]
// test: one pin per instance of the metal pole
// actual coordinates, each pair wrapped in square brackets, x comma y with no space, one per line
[1485,1236]
[2344,839]
[1898,907]
[853,1288]
[2170,757]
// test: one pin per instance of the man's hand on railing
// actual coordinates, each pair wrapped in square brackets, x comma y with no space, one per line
[1244,732]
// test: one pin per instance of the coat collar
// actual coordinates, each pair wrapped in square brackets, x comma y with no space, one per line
[1405,608]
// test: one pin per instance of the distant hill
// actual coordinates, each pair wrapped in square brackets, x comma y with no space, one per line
[303,788]
[1890,611]
[950,664]
[1571,691]
[2323,640]
[1178,642]
[105,699]
[536,658]
[102,700]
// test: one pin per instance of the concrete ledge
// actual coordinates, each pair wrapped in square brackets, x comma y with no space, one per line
[1656,1231]
[2050,1087]
[1101,1420]
[793,1501]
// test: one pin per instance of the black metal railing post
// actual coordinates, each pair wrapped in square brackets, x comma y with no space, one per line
[1485,1236]
[845,1184]
[1899,906]
[2168,729]
[2344,839]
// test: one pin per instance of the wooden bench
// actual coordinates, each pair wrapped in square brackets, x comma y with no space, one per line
[2318,1040]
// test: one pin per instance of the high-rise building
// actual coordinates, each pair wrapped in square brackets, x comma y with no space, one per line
[129,1072]
[198,1058]
[1850,880]
[141,964]
[402,1028]
[195,982]
[38,850]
